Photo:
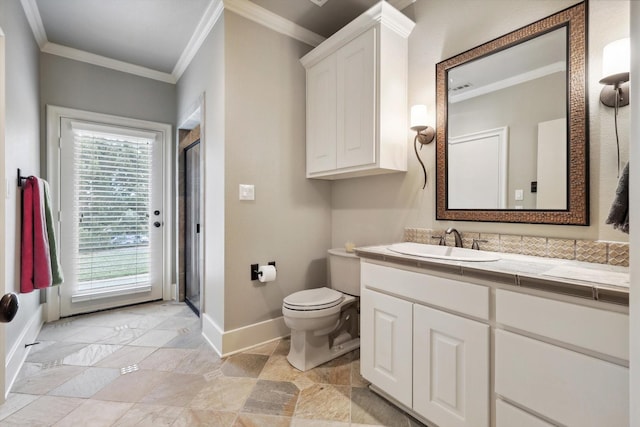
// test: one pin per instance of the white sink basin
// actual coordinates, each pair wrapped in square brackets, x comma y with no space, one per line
[442,252]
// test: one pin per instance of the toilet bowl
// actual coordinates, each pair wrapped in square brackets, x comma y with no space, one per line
[324,321]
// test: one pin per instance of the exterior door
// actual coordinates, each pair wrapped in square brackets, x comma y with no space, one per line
[112,208]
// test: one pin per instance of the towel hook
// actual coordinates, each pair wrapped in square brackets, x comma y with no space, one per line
[20,178]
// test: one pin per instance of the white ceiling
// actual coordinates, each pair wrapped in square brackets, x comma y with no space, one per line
[158,38]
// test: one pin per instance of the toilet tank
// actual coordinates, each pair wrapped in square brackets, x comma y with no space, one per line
[344,271]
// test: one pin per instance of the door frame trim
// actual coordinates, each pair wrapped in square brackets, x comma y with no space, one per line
[54,114]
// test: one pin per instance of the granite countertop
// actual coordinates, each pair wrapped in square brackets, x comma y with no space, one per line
[600,282]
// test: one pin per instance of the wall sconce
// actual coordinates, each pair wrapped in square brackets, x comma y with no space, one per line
[424,133]
[615,69]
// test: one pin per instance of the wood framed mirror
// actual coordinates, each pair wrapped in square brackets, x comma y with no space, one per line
[512,127]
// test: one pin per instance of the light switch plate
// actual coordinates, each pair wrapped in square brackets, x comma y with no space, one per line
[247,192]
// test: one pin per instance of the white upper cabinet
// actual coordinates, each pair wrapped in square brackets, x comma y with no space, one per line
[357,97]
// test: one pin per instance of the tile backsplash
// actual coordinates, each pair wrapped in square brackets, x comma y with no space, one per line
[596,251]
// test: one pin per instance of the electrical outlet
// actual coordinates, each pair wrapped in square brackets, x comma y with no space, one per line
[519,194]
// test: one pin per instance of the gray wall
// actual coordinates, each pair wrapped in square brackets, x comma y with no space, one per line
[74,84]
[289,221]
[22,150]
[374,210]
[254,133]
[205,76]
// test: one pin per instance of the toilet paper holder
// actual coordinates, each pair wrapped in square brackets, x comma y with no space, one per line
[255,274]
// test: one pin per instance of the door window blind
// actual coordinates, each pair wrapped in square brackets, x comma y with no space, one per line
[112,183]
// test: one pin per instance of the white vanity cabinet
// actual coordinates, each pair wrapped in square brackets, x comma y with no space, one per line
[357,97]
[432,361]
[560,360]
[478,353]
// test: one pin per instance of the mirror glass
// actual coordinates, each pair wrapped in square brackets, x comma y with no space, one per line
[511,136]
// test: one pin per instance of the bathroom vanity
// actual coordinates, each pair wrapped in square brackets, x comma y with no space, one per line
[521,341]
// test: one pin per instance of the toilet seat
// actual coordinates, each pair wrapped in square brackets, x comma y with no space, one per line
[313,299]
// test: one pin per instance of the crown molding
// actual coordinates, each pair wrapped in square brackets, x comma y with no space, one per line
[35,21]
[244,8]
[264,17]
[103,61]
[401,4]
[381,13]
[209,19]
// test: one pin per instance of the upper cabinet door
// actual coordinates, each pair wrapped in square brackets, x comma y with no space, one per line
[321,116]
[356,101]
[450,368]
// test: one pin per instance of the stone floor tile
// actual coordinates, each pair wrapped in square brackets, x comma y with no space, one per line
[179,322]
[204,418]
[131,387]
[283,347]
[46,379]
[244,365]
[44,411]
[94,413]
[127,355]
[272,398]
[87,383]
[200,362]
[301,422]
[188,338]
[145,415]
[224,394]
[278,368]
[369,408]
[47,352]
[90,354]
[257,420]
[15,402]
[155,338]
[164,359]
[325,402]
[265,349]
[175,390]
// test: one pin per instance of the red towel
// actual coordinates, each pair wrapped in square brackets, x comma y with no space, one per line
[36,262]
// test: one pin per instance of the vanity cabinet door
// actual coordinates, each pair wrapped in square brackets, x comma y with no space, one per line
[450,368]
[385,342]
[321,116]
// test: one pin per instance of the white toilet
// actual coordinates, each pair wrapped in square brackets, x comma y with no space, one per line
[324,322]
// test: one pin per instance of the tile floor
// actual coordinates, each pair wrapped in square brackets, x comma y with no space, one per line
[148,365]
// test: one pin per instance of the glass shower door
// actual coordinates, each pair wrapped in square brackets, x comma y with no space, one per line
[192,226]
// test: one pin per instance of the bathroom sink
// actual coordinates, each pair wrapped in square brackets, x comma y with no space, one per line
[442,252]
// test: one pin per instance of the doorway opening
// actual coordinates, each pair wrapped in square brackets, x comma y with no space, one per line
[190,224]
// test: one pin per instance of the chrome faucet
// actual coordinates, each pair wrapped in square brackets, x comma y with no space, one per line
[456,235]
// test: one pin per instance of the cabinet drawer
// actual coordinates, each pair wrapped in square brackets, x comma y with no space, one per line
[432,290]
[509,416]
[594,329]
[568,387]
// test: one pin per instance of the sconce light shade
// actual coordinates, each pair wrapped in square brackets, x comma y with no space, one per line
[419,117]
[615,73]
[616,62]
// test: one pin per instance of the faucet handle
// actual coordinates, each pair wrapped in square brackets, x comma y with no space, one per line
[476,243]
[441,241]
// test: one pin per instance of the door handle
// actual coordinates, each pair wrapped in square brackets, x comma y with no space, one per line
[8,307]
[157,224]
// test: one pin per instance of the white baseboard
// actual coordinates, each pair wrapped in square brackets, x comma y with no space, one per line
[18,353]
[234,341]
